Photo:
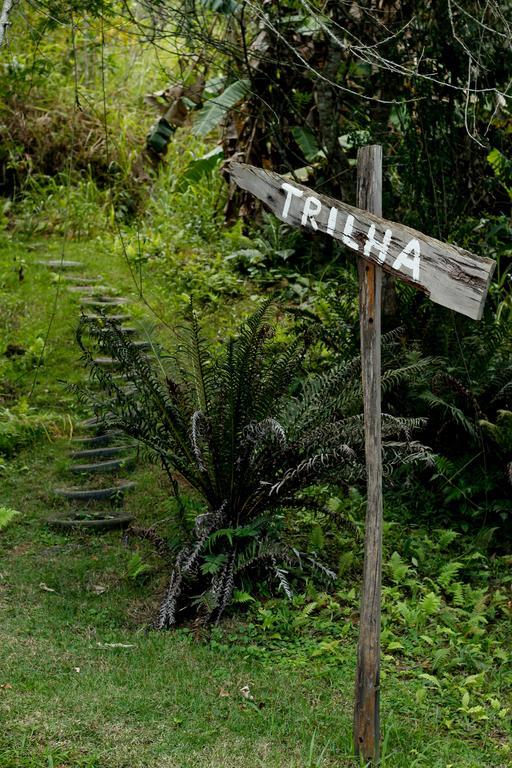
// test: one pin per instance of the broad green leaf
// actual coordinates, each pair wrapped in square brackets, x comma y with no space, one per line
[214,109]
[199,168]
[306,141]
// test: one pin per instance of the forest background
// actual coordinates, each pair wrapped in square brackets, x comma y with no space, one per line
[117,121]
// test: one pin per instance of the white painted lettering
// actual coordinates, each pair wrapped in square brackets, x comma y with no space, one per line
[347,232]
[381,248]
[331,222]
[290,192]
[404,258]
[312,207]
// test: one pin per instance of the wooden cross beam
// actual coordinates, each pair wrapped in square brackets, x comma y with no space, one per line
[450,276]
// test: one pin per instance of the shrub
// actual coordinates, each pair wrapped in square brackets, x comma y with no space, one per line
[227,425]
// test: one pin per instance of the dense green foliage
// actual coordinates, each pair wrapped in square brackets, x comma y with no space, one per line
[228,426]
[296,86]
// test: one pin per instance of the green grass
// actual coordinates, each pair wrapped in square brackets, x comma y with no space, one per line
[70,696]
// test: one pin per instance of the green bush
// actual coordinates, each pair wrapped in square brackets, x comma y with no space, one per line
[236,425]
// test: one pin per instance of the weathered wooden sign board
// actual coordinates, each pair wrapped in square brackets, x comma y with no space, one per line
[450,276]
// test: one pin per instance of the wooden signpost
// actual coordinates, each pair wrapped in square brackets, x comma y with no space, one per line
[450,276]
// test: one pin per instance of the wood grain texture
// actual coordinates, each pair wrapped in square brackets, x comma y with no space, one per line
[450,276]
[367,693]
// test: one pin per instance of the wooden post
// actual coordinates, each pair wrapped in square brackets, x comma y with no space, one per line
[366,713]
[449,275]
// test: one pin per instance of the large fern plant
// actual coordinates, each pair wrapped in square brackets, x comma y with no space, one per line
[227,424]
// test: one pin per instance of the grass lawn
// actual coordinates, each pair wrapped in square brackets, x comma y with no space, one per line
[86,683]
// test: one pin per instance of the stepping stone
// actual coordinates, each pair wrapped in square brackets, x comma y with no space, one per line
[141,344]
[94,494]
[114,318]
[82,280]
[93,453]
[107,361]
[58,264]
[86,520]
[92,423]
[128,329]
[105,439]
[88,289]
[103,466]
[105,301]
[131,389]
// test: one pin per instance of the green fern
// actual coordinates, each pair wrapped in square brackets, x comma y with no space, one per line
[228,425]
[448,573]
[6,516]
[429,604]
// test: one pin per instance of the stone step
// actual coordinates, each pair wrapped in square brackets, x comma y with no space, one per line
[114,318]
[82,279]
[105,301]
[87,520]
[103,466]
[106,361]
[95,494]
[91,290]
[106,450]
[105,439]
[128,329]
[141,344]
[92,423]
[58,264]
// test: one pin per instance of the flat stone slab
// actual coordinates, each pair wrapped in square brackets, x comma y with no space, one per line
[87,289]
[106,450]
[96,522]
[58,264]
[103,466]
[94,494]
[141,344]
[105,301]
[92,423]
[82,279]
[124,329]
[105,361]
[105,439]
[114,318]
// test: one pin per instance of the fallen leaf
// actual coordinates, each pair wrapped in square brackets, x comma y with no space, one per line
[99,589]
[223,693]
[45,588]
[6,687]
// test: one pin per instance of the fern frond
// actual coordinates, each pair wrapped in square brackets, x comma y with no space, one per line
[282,577]
[393,377]
[456,414]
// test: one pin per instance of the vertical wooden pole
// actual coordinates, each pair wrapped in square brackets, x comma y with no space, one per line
[366,712]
